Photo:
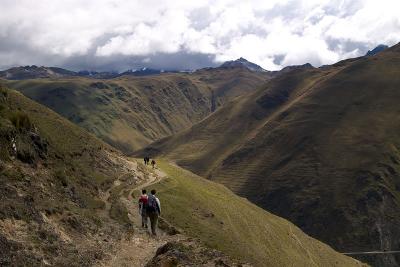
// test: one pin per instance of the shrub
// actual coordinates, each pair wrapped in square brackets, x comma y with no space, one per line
[21,121]
[3,92]
[119,213]
[25,152]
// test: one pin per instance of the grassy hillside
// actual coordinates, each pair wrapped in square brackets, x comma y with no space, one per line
[316,146]
[130,112]
[63,196]
[220,219]
[51,176]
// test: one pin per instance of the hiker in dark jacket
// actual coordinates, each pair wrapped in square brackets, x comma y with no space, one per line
[153,210]
[143,199]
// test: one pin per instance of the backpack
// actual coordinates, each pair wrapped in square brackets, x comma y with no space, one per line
[143,201]
[152,205]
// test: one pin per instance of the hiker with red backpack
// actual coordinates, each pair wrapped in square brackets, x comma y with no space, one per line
[143,200]
[153,210]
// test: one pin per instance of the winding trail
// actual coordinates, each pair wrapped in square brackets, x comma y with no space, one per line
[138,248]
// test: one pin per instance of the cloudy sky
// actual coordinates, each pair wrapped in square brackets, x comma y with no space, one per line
[170,34]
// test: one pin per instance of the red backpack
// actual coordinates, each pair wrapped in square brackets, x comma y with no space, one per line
[143,201]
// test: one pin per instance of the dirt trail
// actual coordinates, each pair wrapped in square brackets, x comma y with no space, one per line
[138,248]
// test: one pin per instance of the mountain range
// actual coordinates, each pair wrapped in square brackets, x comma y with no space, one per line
[67,200]
[35,72]
[131,111]
[316,146]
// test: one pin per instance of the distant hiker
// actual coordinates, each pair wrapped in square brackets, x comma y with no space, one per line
[153,163]
[146,160]
[153,210]
[143,207]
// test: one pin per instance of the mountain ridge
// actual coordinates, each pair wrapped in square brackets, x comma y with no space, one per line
[132,111]
[66,200]
[35,72]
[317,146]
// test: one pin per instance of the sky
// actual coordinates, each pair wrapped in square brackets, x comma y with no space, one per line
[116,35]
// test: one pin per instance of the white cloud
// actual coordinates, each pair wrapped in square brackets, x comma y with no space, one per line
[299,31]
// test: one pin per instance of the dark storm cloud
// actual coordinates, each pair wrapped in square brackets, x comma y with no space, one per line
[118,63]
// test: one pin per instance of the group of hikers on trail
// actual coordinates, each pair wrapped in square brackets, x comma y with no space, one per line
[147,161]
[149,208]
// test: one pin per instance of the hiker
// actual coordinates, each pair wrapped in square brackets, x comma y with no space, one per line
[145,160]
[153,163]
[142,207]
[153,210]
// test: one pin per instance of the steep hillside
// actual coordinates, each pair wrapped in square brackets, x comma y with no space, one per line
[130,112]
[316,146]
[51,174]
[66,200]
[220,219]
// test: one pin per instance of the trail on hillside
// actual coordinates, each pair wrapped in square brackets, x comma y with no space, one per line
[139,247]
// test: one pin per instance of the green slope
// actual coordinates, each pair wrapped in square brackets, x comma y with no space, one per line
[213,214]
[51,212]
[316,146]
[130,112]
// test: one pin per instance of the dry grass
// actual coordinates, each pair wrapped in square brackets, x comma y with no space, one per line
[222,220]
[318,147]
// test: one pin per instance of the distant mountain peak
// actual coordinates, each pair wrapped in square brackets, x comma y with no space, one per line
[242,62]
[242,59]
[377,50]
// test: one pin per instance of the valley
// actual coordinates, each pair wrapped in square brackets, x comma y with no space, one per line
[301,145]
[316,146]
[130,112]
[65,202]
[243,133]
